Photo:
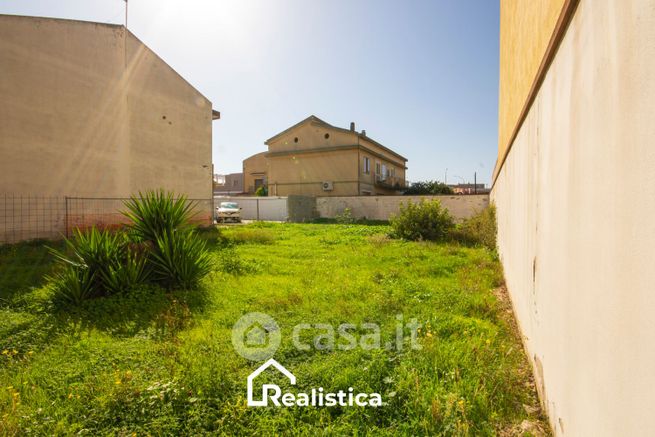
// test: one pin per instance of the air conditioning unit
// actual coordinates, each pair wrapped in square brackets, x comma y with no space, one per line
[328,186]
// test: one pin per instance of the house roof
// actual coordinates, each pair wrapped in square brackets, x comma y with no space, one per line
[313,118]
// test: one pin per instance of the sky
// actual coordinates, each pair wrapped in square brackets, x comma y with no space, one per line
[420,76]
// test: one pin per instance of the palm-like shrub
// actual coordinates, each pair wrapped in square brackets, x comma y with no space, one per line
[180,259]
[71,285]
[101,263]
[159,246]
[426,220]
[157,212]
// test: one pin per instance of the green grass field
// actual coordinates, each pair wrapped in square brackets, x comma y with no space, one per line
[152,363]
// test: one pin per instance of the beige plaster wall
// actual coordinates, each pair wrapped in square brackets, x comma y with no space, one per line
[87,110]
[526,28]
[575,200]
[253,168]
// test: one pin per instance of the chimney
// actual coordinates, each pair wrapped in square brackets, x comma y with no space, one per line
[352,126]
[363,132]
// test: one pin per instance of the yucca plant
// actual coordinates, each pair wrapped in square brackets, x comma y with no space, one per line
[71,285]
[157,212]
[132,271]
[180,259]
[94,250]
[102,262]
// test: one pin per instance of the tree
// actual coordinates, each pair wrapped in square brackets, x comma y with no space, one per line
[428,187]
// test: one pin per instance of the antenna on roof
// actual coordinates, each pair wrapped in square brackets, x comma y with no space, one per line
[125,14]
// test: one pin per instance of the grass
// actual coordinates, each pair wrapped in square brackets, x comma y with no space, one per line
[163,363]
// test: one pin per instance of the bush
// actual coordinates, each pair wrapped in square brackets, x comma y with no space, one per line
[96,263]
[481,229]
[426,220]
[157,212]
[262,191]
[159,247]
[345,218]
[180,260]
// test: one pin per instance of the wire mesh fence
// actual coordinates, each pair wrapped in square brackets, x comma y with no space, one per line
[25,217]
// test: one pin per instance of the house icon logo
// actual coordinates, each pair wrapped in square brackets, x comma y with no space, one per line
[266,388]
[256,336]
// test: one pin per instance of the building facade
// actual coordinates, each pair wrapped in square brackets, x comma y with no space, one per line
[89,110]
[574,205]
[228,184]
[255,172]
[315,158]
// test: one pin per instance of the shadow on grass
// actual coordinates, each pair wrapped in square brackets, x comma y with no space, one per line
[23,267]
[148,310]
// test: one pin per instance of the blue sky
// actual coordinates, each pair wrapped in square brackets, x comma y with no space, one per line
[420,76]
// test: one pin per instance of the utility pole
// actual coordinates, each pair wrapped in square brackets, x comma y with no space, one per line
[475,182]
[126,14]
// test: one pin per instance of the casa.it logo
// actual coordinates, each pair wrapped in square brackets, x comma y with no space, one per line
[272,395]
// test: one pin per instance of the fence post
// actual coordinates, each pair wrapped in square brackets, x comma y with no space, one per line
[257,209]
[66,217]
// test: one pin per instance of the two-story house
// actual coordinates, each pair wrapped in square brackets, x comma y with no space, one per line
[317,159]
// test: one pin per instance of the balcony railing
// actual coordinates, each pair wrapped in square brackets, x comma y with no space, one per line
[390,182]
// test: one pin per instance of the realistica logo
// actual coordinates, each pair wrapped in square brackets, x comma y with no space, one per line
[316,397]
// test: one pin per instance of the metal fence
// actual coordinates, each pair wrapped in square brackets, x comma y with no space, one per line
[25,217]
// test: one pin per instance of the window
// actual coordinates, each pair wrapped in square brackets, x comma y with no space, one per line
[367,165]
[235,182]
[327,136]
[377,168]
[295,140]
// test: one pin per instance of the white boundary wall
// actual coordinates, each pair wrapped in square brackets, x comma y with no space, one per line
[575,202]
[383,207]
[259,208]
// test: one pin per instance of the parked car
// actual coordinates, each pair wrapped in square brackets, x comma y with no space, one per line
[228,211]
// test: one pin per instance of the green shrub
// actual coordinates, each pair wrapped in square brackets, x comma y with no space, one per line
[262,191]
[481,229]
[180,259]
[101,262]
[426,220]
[71,285]
[157,212]
[428,187]
[159,246]
[345,218]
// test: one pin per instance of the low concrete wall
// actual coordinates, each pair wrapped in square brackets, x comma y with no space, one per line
[383,207]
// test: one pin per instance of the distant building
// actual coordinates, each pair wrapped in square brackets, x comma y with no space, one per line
[255,171]
[469,189]
[228,184]
[317,159]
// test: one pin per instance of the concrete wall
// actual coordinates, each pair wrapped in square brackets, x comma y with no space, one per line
[575,202]
[526,28]
[383,207]
[259,208]
[88,110]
